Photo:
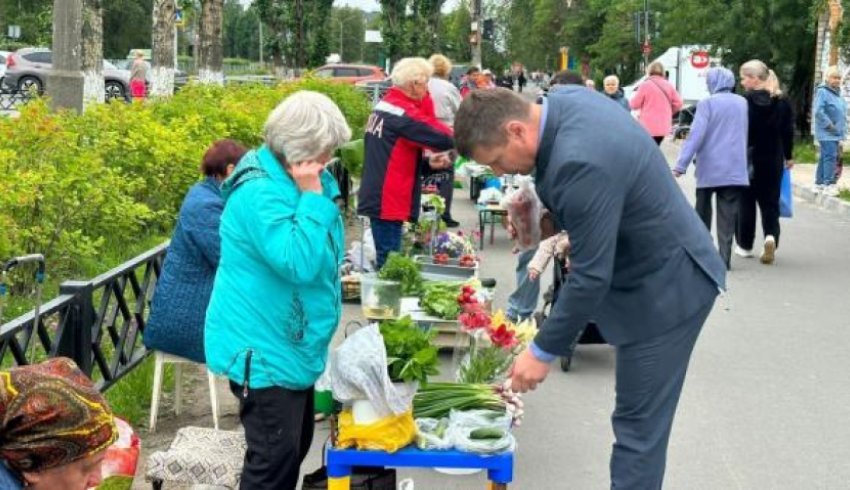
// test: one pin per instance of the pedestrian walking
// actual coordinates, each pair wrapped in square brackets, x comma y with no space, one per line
[521,80]
[138,76]
[402,125]
[178,310]
[276,298]
[830,112]
[611,87]
[657,100]
[770,148]
[642,265]
[718,141]
[447,100]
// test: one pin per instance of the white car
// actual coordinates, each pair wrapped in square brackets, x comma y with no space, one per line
[3,56]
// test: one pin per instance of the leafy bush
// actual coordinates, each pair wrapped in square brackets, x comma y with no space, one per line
[92,189]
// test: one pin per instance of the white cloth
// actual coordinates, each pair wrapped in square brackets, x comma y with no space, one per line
[446,99]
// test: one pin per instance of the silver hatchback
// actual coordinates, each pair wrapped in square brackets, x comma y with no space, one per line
[27,69]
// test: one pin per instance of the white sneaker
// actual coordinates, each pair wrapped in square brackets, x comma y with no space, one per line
[769,254]
[831,191]
[742,252]
[817,188]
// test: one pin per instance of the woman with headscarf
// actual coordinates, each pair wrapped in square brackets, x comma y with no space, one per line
[770,148]
[718,141]
[55,428]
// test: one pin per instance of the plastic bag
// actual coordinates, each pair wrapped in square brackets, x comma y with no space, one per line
[359,372]
[122,457]
[786,196]
[363,254]
[524,209]
[463,423]
[388,434]
[490,194]
[433,434]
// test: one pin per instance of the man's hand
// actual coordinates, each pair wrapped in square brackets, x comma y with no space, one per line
[307,175]
[440,161]
[510,227]
[677,174]
[527,372]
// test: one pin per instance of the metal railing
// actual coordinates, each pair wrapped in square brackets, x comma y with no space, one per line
[11,100]
[98,323]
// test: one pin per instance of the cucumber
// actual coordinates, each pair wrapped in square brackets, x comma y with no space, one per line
[440,431]
[487,434]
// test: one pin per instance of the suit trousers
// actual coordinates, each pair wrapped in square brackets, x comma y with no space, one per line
[764,190]
[728,198]
[649,380]
[279,431]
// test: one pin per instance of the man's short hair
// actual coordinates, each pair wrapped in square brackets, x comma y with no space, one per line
[567,77]
[472,69]
[482,116]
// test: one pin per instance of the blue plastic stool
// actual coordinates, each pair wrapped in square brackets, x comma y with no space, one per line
[500,467]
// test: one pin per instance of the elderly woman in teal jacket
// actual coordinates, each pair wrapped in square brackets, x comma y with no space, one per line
[276,301]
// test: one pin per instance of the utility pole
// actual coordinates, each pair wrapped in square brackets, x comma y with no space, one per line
[475,36]
[646,32]
[261,42]
[341,58]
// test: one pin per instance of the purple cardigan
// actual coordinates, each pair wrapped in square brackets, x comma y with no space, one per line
[718,137]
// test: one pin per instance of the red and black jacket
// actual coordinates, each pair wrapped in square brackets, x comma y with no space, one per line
[397,131]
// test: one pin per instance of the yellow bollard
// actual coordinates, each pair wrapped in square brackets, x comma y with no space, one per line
[339,483]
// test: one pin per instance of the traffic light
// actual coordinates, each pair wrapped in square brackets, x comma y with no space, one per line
[487,31]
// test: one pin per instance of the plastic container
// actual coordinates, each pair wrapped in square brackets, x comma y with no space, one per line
[323,402]
[380,299]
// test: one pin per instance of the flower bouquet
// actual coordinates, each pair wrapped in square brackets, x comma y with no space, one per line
[454,245]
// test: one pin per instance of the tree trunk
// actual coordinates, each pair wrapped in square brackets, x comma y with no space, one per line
[210,52]
[300,50]
[162,76]
[92,53]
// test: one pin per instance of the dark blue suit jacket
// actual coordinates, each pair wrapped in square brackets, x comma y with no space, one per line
[641,261]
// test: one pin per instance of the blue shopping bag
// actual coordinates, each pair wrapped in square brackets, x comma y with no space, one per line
[786,196]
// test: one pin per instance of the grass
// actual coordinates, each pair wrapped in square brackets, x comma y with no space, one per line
[844,194]
[805,152]
[130,398]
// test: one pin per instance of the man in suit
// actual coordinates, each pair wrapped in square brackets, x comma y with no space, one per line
[642,264]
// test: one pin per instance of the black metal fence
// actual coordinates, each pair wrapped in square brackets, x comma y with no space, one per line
[9,101]
[98,323]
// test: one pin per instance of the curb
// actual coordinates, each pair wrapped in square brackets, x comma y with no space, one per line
[832,204]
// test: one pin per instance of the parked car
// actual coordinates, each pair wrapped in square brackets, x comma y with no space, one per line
[28,69]
[3,56]
[350,73]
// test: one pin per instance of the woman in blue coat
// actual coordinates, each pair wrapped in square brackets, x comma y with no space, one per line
[176,323]
[830,112]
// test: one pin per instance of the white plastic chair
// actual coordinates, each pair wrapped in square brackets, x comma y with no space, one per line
[161,358]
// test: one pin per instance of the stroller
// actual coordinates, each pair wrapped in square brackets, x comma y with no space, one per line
[588,335]
[683,121]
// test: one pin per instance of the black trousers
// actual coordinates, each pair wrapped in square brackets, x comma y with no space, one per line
[279,431]
[764,191]
[447,192]
[728,204]
[658,140]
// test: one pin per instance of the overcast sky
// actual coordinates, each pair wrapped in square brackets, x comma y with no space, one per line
[369,5]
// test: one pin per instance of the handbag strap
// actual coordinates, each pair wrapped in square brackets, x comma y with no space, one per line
[666,96]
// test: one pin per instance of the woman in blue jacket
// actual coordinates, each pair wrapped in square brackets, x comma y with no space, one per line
[276,301]
[176,323]
[830,129]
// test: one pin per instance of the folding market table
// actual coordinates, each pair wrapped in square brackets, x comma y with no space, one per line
[500,467]
[489,214]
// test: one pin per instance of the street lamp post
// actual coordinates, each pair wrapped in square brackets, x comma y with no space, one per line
[341,57]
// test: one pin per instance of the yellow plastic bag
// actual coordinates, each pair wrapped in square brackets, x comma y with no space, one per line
[389,434]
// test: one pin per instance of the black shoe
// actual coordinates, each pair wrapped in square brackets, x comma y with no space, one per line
[451,223]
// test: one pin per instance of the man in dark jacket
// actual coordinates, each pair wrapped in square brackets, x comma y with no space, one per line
[642,264]
[403,125]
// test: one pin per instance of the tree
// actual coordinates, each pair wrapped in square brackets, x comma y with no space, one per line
[348,26]
[92,52]
[35,17]
[317,29]
[126,26]
[454,33]
[210,37]
[162,76]
[393,21]
[241,31]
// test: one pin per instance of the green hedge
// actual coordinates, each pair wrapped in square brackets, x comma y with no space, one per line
[89,190]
